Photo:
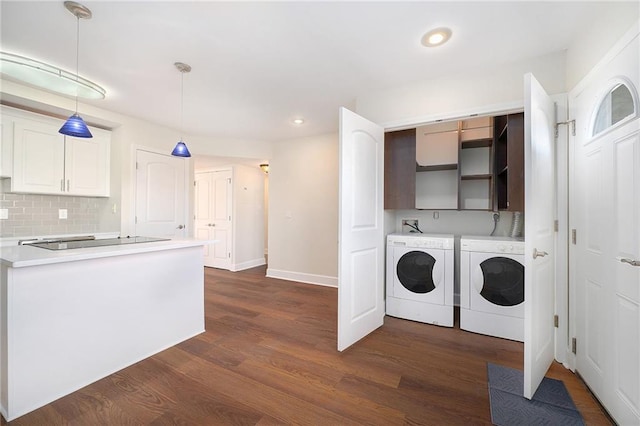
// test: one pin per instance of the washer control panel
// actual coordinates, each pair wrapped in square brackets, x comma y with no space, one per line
[425,241]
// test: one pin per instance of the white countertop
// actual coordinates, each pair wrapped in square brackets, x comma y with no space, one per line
[25,255]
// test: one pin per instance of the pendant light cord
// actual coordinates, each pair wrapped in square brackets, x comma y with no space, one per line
[181,103]
[77,56]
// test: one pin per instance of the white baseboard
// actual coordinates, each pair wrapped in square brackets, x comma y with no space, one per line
[247,265]
[301,277]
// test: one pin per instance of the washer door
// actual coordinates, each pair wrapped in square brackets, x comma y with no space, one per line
[498,284]
[419,275]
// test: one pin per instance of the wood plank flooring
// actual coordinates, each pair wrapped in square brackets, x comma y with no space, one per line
[269,357]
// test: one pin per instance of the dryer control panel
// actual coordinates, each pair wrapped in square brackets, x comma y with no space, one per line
[494,245]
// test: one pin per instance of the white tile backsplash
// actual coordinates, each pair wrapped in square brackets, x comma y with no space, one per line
[30,214]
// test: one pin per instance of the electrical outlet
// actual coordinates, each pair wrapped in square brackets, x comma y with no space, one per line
[4,213]
[62,213]
[412,224]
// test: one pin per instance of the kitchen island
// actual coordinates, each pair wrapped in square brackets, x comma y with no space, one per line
[71,317]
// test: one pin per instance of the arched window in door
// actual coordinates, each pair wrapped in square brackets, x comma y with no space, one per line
[618,103]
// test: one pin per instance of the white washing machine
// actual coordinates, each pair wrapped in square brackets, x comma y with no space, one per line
[420,277]
[492,286]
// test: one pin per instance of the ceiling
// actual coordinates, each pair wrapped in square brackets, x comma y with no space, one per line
[256,66]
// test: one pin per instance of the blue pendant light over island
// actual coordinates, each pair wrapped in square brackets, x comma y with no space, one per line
[75,125]
[181,149]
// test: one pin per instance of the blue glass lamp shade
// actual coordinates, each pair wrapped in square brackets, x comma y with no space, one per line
[75,126]
[181,150]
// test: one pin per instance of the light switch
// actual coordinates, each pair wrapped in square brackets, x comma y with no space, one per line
[4,213]
[62,213]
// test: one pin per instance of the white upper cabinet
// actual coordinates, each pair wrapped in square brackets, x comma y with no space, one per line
[47,162]
[87,164]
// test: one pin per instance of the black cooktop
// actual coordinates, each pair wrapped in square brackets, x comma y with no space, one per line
[75,244]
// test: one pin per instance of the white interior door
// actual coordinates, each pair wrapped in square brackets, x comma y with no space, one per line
[161,195]
[213,219]
[605,208]
[540,187]
[361,234]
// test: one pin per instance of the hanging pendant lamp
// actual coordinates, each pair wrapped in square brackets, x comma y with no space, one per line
[75,125]
[181,149]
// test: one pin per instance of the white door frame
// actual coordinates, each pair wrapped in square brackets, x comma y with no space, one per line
[570,359]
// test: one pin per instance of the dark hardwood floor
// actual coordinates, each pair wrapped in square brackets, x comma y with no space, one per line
[269,357]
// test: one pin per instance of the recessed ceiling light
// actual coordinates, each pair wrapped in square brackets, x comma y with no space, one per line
[436,37]
[298,121]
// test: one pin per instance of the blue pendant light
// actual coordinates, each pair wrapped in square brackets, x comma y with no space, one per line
[75,125]
[181,149]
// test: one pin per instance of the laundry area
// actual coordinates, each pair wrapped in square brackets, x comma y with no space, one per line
[455,192]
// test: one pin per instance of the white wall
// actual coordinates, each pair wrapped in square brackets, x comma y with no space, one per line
[597,38]
[303,210]
[471,91]
[248,217]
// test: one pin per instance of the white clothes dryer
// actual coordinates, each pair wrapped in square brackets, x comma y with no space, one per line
[492,286]
[420,277]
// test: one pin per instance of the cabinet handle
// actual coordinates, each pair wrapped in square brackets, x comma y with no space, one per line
[631,262]
[211,224]
[67,185]
[61,185]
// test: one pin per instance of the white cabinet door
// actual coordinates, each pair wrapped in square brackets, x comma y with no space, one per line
[87,164]
[6,146]
[44,161]
[38,158]
[361,262]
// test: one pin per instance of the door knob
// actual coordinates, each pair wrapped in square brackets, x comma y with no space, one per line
[537,253]
[631,262]
[180,227]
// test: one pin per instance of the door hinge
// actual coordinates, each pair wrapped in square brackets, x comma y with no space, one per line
[229,255]
[573,126]
[573,236]
[555,321]
[229,180]
[574,344]
[194,183]
[556,225]
[136,165]
[136,219]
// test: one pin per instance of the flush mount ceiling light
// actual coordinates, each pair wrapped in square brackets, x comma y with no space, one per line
[181,149]
[298,121]
[75,125]
[48,77]
[436,37]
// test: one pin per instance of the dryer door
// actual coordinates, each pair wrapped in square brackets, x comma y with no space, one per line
[498,284]
[419,274]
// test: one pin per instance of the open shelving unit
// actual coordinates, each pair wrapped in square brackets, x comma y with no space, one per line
[475,171]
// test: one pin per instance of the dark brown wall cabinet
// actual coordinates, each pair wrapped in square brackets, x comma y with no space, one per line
[400,169]
[509,162]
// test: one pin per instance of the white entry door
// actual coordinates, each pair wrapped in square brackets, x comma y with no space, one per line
[213,201]
[161,195]
[540,187]
[361,235]
[605,208]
